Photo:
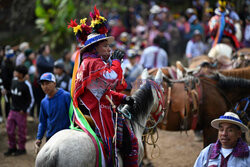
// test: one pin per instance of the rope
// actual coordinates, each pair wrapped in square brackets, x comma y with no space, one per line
[151,136]
[165,120]
[116,117]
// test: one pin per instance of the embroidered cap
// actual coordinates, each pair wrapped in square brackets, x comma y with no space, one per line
[48,76]
[229,117]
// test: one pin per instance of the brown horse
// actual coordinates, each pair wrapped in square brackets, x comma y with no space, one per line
[241,58]
[168,72]
[212,96]
[238,73]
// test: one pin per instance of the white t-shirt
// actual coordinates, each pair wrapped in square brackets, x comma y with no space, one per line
[225,152]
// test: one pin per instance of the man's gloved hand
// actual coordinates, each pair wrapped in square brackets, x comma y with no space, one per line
[129,100]
[118,54]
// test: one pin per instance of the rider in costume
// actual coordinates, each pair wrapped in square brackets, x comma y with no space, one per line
[222,28]
[100,75]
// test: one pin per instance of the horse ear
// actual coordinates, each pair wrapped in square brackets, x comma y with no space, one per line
[159,77]
[144,74]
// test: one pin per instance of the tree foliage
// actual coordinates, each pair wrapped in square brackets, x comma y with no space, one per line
[52,19]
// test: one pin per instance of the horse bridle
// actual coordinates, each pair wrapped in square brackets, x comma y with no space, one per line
[161,104]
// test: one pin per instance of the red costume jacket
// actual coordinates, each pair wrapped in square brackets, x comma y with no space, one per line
[94,80]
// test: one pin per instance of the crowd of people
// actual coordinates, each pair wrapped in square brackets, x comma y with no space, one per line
[156,41]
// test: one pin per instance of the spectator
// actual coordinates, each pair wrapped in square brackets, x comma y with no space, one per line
[189,12]
[21,56]
[141,30]
[194,25]
[54,111]
[117,29]
[63,80]
[22,102]
[44,63]
[132,69]
[1,81]
[154,56]
[198,5]
[29,63]
[230,149]
[246,41]
[7,69]
[31,66]
[123,41]
[153,32]
[195,46]
[66,60]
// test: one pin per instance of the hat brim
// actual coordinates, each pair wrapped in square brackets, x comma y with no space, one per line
[110,39]
[40,81]
[215,123]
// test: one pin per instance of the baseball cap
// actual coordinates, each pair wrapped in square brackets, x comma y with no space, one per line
[131,53]
[192,19]
[197,32]
[59,64]
[48,76]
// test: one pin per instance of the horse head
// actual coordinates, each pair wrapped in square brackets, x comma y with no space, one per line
[149,102]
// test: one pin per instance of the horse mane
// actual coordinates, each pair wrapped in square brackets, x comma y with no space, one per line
[144,98]
[231,82]
[238,73]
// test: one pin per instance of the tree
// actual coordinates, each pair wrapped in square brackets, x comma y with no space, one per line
[52,19]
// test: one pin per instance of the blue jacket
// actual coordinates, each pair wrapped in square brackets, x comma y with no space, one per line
[54,114]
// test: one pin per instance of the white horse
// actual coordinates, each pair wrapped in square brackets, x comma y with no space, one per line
[75,148]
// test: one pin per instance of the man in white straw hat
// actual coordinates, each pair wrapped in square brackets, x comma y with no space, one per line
[230,149]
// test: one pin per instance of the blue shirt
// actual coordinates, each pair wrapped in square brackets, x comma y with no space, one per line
[54,114]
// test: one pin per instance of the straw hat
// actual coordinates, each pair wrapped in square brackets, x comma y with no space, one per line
[155,9]
[220,49]
[229,117]
[94,38]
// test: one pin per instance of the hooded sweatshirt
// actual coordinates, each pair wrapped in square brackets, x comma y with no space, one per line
[54,114]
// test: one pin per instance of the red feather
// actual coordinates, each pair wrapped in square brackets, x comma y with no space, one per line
[96,11]
[72,23]
[95,14]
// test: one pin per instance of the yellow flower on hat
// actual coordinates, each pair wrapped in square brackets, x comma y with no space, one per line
[77,28]
[94,22]
[83,21]
[102,18]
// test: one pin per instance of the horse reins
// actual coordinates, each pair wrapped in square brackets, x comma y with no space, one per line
[160,96]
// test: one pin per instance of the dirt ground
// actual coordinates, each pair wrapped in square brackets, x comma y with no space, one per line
[176,149]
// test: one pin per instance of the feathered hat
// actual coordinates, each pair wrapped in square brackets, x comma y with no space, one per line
[88,35]
[221,8]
